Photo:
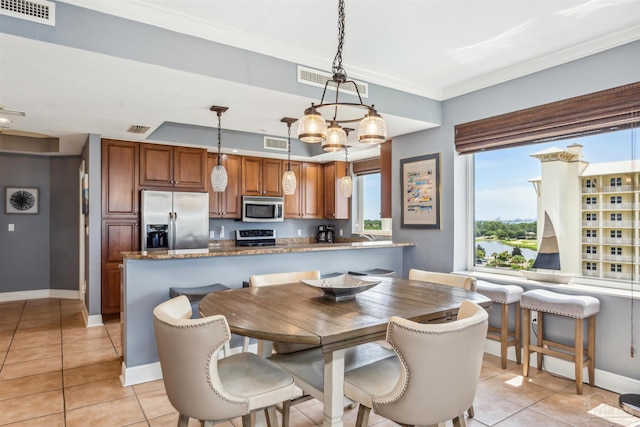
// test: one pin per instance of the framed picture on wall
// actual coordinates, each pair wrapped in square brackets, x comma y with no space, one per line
[21,200]
[420,190]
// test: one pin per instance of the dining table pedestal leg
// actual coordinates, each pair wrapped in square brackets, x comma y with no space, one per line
[333,388]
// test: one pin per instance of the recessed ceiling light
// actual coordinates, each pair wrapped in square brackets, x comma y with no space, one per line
[5,120]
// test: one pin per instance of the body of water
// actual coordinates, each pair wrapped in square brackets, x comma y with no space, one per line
[491,246]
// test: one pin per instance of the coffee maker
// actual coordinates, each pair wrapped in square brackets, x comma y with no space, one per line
[325,234]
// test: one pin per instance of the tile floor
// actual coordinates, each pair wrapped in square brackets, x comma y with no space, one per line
[56,372]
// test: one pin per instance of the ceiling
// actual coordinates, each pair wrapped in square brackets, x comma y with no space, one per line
[434,49]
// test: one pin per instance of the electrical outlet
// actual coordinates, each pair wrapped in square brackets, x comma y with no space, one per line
[222,231]
[299,232]
[12,227]
[534,317]
[341,232]
[212,234]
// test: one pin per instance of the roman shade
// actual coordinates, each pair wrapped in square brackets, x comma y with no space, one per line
[605,111]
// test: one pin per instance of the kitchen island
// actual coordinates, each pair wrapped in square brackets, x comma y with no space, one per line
[147,277]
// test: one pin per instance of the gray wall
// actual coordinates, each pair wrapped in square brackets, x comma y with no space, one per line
[91,156]
[42,252]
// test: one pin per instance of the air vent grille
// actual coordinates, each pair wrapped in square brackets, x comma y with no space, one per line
[138,129]
[319,78]
[271,143]
[41,11]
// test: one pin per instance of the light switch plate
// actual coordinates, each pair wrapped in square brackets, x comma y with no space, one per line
[12,227]
[212,234]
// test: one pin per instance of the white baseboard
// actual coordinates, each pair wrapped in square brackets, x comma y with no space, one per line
[140,374]
[604,379]
[39,294]
[91,320]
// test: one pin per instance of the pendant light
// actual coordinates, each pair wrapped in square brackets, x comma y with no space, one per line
[346,184]
[219,173]
[336,138]
[289,178]
[312,127]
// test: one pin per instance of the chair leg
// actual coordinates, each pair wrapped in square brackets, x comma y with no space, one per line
[206,423]
[518,342]
[504,335]
[245,344]
[579,353]
[459,421]
[227,349]
[471,412]
[591,349]
[526,340]
[540,332]
[363,416]
[246,420]
[286,410]
[183,420]
[270,414]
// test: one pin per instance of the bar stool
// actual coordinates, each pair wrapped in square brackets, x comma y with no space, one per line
[504,295]
[576,306]
[373,272]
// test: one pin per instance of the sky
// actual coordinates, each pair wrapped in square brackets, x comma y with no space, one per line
[371,196]
[502,177]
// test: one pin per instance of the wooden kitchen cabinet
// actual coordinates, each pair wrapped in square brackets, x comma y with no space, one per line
[336,206]
[119,178]
[181,168]
[117,236]
[308,200]
[226,204]
[261,176]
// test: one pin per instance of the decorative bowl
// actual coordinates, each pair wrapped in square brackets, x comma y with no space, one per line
[342,287]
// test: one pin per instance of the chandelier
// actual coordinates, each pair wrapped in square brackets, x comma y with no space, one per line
[312,127]
[289,178]
[219,173]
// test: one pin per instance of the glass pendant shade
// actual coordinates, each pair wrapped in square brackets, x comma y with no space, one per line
[346,186]
[219,178]
[336,138]
[289,183]
[312,127]
[372,129]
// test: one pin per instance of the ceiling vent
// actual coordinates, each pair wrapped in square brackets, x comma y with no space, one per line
[271,143]
[40,11]
[317,78]
[138,129]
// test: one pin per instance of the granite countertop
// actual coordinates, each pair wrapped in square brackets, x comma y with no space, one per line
[228,248]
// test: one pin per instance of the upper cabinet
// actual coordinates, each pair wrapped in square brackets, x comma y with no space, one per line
[261,177]
[308,200]
[225,204]
[175,167]
[119,178]
[336,206]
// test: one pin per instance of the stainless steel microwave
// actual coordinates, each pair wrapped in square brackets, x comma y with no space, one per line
[262,209]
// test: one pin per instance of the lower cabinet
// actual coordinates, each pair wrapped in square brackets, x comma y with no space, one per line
[117,236]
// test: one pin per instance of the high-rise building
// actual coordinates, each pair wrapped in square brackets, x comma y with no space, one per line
[595,212]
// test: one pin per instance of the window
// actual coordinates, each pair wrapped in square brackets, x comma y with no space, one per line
[616,268]
[616,200]
[368,206]
[510,156]
[616,251]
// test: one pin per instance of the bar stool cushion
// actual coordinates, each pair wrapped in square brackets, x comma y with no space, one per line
[501,294]
[577,306]
[198,292]
[373,272]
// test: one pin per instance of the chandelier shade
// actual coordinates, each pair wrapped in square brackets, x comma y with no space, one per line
[289,181]
[346,183]
[336,138]
[312,127]
[219,176]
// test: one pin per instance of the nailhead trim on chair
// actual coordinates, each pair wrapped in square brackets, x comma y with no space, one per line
[404,364]
[216,348]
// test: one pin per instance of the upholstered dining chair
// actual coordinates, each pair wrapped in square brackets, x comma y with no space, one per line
[458,280]
[434,377]
[202,386]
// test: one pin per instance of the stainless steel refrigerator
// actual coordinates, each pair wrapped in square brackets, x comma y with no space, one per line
[174,220]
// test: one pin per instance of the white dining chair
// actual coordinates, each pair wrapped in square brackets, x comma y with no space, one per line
[202,386]
[434,376]
[458,280]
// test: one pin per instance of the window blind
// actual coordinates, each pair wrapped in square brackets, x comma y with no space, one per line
[364,167]
[605,111]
